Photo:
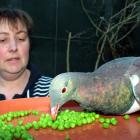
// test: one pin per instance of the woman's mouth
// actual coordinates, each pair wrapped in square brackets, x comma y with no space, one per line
[13,60]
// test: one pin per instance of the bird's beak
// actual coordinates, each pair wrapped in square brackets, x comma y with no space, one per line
[54,111]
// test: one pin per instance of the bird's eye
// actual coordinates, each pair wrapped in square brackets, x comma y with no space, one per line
[64,90]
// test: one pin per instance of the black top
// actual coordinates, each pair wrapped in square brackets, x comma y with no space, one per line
[37,86]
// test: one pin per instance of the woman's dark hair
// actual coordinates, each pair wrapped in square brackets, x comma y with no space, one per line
[12,16]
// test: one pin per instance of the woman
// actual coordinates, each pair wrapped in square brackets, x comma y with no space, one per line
[18,79]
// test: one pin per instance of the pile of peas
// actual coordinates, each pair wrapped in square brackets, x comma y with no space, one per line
[65,120]
[9,131]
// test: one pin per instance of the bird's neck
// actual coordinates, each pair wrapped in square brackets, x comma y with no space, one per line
[76,97]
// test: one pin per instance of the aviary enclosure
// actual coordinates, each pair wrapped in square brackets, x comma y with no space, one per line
[80,35]
[113,31]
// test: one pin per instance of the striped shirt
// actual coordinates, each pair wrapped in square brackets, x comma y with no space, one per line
[37,86]
[42,86]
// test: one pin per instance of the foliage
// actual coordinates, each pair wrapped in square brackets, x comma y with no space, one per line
[111,31]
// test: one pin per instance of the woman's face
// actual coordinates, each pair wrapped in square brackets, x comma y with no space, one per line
[14,48]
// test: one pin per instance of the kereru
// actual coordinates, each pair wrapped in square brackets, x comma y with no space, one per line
[114,88]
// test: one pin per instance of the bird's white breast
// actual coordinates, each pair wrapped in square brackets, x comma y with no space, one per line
[134,108]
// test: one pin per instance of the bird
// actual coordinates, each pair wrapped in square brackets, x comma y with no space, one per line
[113,88]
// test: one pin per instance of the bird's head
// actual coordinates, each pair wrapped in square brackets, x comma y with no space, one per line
[61,91]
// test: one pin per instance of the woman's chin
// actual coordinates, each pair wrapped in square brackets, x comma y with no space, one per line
[14,71]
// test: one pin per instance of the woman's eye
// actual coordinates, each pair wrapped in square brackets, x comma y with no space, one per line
[21,39]
[2,40]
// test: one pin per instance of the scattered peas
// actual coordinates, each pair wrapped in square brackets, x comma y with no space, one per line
[60,127]
[67,119]
[126,117]
[20,122]
[35,112]
[105,125]
[97,116]
[67,137]
[101,120]
[113,121]
[138,119]
[55,125]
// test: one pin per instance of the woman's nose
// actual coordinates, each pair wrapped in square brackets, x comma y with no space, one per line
[13,45]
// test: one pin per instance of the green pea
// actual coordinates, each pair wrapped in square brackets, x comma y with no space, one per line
[9,118]
[35,112]
[89,120]
[93,113]
[67,111]
[82,115]
[113,121]
[93,119]
[27,136]
[20,122]
[107,120]
[105,125]
[97,116]
[79,122]
[54,125]
[102,120]
[72,125]
[84,121]
[65,117]
[50,123]
[60,127]
[44,125]
[67,137]
[126,117]
[12,130]
[17,135]
[138,119]
[67,125]
[7,138]
[35,125]
[22,114]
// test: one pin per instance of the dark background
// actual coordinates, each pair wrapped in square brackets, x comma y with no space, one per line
[54,19]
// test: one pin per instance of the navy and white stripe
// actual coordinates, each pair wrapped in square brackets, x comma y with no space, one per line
[41,87]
